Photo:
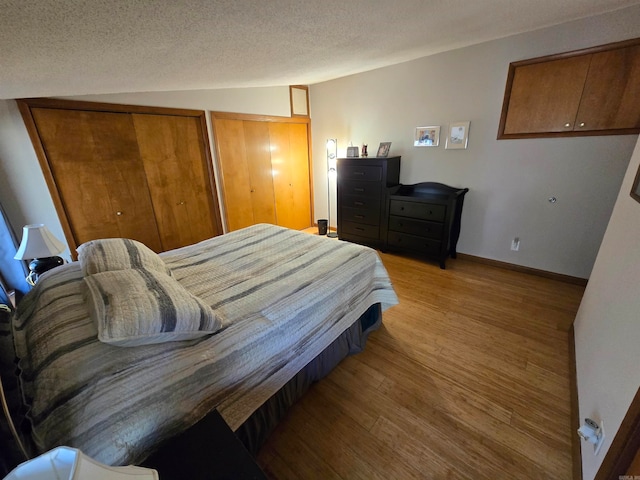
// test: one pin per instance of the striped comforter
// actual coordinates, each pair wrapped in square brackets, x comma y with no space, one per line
[283,296]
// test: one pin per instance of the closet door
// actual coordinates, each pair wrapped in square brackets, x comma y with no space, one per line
[100,180]
[290,164]
[264,164]
[175,164]
[245,165]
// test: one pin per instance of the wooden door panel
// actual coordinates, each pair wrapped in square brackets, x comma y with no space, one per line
[545,96]
[258,150]
[232,159]
[611,96]
[175,162]
[282,179]
[95,164]
[299,164]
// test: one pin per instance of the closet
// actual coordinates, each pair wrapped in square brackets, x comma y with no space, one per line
[126,171]
[264,169]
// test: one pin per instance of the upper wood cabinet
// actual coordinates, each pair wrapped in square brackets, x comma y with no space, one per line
[264,167]
[126,171]
[588,92]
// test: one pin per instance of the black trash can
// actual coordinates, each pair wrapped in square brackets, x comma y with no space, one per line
[322,226]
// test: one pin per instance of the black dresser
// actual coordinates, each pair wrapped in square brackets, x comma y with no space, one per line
[362,188]
[425,219]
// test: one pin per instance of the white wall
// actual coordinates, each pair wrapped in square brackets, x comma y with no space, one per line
[607,328]
[510,181]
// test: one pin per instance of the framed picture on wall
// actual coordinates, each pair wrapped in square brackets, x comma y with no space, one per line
[427,136]
[458,136]
[635,190]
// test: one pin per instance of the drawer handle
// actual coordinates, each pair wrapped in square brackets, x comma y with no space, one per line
[358,203]
[360,228]
[119,213]
[359,216]
[358,189]
[400,224]
[567,125]
[401,208]
[358,173]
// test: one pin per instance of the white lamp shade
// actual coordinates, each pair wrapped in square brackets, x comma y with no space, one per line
[38,242]
[66,463]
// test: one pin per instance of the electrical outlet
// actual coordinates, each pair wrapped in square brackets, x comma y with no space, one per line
[515,244]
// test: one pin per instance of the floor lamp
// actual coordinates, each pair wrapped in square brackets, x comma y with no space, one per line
[332,157]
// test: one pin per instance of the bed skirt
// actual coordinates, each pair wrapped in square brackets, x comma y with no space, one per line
[257,428]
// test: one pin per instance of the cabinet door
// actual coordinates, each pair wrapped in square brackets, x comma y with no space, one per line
[611,97]
[545,96]
[96,166]
[173,154]
[290,166]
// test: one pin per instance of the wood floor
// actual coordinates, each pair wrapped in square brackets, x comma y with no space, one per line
[467,379]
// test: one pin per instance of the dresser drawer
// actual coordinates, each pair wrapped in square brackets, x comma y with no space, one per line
[361,230]
[423,211]
[361,188]
[420,228]
[360,215]
[406,241]
[367,173]
[364,203]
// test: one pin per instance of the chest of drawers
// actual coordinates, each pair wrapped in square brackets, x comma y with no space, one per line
[362,188]
[425,219]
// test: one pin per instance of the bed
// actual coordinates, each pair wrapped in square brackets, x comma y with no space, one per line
[287,307]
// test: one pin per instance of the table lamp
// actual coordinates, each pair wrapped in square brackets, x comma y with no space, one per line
[39,244]
[65,463]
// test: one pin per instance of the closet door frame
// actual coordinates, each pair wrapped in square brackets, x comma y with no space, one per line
[268,119]
[25,106]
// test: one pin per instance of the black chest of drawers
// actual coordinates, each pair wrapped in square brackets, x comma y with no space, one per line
[425,219]
[362,189]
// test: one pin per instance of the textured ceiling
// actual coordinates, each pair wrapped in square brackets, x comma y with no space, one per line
[74,47]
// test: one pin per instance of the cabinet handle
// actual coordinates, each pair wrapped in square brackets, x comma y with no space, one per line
[581,124]
[118,213]
[567,125]
[358,189]
[181,203]
[358,203]
[252,190]
[358,173]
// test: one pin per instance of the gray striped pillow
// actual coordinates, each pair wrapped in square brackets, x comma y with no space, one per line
[140,307]
[109,254]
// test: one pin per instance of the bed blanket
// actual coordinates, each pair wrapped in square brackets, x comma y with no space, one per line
[283,296]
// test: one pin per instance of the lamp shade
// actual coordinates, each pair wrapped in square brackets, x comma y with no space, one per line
[38,242]
[65,463]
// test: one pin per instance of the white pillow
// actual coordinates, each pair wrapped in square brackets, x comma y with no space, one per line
[140,307]
[110,254]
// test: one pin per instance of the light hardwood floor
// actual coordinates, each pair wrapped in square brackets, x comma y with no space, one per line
[467,378]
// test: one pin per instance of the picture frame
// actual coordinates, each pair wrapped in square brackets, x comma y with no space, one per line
[352,152]
[458,136]
[635,190]
[299,99]
[383,149]
[427,136]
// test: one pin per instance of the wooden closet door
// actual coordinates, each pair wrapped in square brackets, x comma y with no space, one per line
[173,154]
[245,165]
[290,164]
[95,164]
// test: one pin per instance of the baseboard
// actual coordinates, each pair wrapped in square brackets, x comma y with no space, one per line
[576,446]
[519,268]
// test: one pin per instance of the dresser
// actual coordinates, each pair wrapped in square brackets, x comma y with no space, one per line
[362,188]
[424,219]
